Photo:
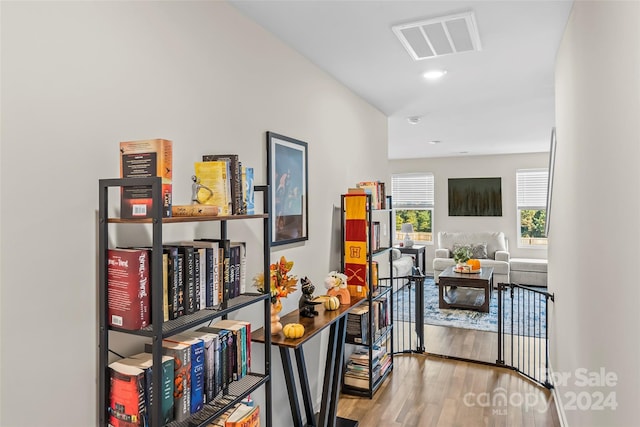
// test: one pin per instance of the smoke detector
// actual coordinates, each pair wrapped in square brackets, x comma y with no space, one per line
[414,120]
[435,37]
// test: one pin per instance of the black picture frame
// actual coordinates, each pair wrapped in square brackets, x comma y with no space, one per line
[552,164]
[287,176]
[475,196]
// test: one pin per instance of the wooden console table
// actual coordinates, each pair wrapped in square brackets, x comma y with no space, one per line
[336,321]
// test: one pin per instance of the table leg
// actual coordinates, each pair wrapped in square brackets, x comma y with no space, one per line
[328,376]
[291,386]
[304,384]
[337,370]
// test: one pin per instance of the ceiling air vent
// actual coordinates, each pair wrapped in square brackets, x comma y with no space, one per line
[439,36]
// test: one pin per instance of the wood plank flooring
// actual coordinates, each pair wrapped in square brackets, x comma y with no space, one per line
[425,390]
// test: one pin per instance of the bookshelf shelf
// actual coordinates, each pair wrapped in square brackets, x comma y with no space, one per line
[371,328]
[159,329]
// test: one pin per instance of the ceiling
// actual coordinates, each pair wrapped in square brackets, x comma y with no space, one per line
[496,100]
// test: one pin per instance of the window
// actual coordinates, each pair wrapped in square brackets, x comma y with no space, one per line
[531,194]
[413,201]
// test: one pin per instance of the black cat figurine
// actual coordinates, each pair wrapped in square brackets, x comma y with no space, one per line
[305,303]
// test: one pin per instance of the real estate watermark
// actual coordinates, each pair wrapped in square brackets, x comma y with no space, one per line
[589,391]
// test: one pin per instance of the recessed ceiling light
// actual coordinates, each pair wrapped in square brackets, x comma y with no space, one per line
[434,74]
[434,142]
[414,119]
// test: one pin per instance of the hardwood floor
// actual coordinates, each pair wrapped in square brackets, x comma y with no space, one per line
[425,390]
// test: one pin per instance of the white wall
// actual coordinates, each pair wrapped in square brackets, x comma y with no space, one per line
[77,78]
[594,219]
[504,166]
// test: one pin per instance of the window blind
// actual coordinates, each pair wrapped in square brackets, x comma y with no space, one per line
[412,191]
[531,188]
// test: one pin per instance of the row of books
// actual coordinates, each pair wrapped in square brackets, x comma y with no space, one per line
[221,180]
[196,275]
[358,318]
[196,366]
[357,368]
[226,183]
[377,191]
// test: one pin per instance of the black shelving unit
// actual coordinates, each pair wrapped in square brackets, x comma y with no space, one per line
[159,329]
[382,337]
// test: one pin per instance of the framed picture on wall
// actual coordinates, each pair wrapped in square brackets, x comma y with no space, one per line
[475,197]
[287,177]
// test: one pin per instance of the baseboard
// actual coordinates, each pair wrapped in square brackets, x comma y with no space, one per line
[562,416]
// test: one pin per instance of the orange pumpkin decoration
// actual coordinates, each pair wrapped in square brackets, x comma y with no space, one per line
[293,330]
[474,264]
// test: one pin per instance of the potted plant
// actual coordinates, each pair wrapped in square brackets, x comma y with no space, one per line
[462,254]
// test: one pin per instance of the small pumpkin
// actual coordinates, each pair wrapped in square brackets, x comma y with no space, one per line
[293,330]
[474,263]
[331,303]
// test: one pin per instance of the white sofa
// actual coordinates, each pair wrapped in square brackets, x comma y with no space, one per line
[496,254]
[402,267]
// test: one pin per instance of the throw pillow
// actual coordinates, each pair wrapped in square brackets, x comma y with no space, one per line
[479,251]
[395,254]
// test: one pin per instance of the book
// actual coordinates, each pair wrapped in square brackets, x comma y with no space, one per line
[127,406]
[128,288]
[248,193]
[181,354]
[165,286]
[202,277]
[224,249]
[173,281]
[210,347]
[194,210]
[241,266]
[242,331]
[196,277]
[371,187]
[197,369]
[144,361]
[141,159]
[244,416]
[211,270]
[214,175]
[225,342]
[357,329]
[186,253]
[234,179]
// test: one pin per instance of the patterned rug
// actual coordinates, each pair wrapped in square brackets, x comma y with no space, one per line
[526,314]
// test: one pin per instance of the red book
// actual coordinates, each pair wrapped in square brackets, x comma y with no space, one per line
[128,288]
[127,396]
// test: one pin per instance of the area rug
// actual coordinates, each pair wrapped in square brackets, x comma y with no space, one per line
[527,316]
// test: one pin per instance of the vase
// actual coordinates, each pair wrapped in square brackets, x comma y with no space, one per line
[276,326]
[342,293]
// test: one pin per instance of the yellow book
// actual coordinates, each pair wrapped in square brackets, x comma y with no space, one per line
[215,186]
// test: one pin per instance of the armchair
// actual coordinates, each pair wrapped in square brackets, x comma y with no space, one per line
[491,248]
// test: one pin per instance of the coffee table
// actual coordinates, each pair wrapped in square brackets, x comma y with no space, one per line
[460,290]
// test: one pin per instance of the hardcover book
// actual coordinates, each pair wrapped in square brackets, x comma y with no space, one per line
[214,176]
[142,159]
[128,288]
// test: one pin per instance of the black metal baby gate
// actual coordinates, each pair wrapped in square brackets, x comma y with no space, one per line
[522,325]
[523,331]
